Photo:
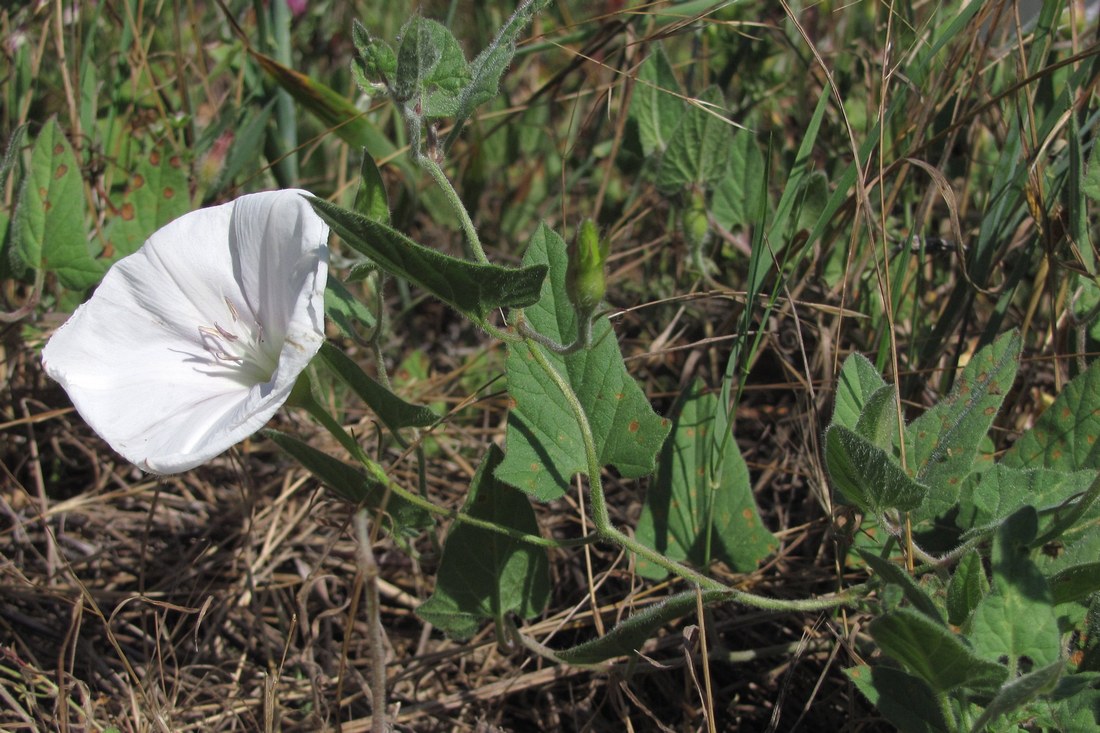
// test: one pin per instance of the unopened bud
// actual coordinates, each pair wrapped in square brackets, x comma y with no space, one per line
[584,279]
[696,228]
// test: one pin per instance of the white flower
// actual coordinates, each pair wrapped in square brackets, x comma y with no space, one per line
[193,342]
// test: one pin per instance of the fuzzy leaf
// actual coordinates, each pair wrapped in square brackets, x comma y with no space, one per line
[702,491]
[738,197]
[1016,620]
[858,381]
[931,651]
[1066,436]
[627,637]
[470,288]
[943,442]
[485,574]
[967,588]
[431,68]
[656,103]
[370,199]
[1016,693]
[351,483]
[698,154]
[867,475]
[545,448]
[490,64]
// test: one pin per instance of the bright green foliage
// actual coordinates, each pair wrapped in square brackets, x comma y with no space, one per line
[867,475]
[157,193]
[942,444]
[700,506]
[370,198]
[395,412]
[48,224]
[858,381]
[967,588]
[484,574]
[698,152]
[352,484]
[333,109]
[431,69]
[1066,436]
[1007,664]
[584,278]
[344,309]
[545,448]
[470,288]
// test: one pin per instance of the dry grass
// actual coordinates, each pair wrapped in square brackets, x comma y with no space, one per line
[230,598]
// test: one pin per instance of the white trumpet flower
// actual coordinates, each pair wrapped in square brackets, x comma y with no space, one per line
[193,342]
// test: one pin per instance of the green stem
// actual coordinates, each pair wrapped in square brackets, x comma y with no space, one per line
[378,473]
[606,531]
[473,242]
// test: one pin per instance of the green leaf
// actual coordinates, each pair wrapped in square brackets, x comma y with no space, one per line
[627,637]
[431,69]
[470,288]
[344,309]
[698,154]
[967,588]
[333,109]
[867,475]
[395,412]
[904,699]
[738,197]
[370,199]
[351,483]
[858,381]
[1001,490]
[1090,186]
[1075,583]
[702,494]
[376,64]
[1016,693]
[545,448]
[942,444]
[48,224]
[156,194]
[878,422]
[1017,619]
[490,64]
[891,573]
[1066,436]
[932,652]
[484,574]
[656,103]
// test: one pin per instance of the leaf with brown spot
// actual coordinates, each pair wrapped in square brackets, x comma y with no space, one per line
[152,199]
[543,428]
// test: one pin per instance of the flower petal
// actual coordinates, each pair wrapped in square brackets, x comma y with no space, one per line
[136,360]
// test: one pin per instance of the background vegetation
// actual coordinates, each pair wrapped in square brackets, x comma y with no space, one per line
[919,178]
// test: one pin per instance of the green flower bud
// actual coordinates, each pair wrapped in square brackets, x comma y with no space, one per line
[694,222]
[584,278]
